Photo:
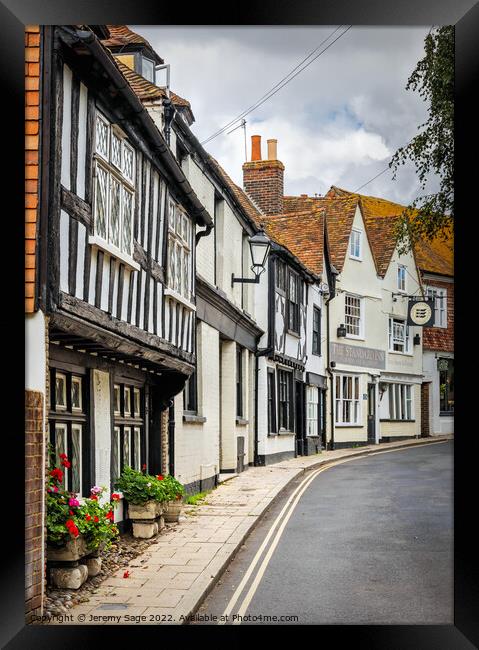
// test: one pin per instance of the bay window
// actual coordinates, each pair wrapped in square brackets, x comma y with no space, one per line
[179,251]
[400,401]
[128,444]
[114,187]
[69,427]
[399,338]
[348,405]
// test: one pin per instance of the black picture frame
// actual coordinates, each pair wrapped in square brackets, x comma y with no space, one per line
[14,14]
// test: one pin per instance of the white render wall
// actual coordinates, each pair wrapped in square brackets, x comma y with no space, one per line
[197,443]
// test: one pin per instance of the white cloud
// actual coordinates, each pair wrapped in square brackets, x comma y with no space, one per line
[338,122]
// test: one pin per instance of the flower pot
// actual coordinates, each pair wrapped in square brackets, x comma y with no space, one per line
[146,510]
[173,510]
[72,551]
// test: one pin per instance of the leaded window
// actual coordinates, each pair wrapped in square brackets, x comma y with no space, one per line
[113,170]
[294,299]
[179,251]
[129,436]
[69,427]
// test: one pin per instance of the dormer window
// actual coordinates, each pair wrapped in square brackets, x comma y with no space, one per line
[148,69]
[355,244]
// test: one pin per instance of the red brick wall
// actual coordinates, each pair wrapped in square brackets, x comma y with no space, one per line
[32,108]
[441,338]
[34,474]
[263,181]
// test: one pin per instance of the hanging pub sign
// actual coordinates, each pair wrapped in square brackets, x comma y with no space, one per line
[420,311]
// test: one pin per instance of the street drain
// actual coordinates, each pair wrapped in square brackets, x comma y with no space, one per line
[113,606]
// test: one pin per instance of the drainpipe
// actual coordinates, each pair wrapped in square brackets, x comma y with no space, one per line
[257,354]
[203,233]
[331,376]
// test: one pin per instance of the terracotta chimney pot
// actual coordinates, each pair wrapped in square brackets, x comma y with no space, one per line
[272,150]
[255,147]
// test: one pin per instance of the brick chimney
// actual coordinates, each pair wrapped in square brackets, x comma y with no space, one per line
[263,180]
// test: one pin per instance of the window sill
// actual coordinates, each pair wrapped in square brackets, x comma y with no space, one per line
[284,432]
[356,259]
[193,418]
[446,414]
[404,354]
[389,420]
[241,421]
[354,338]
[296,335]
[114,251]
[179,298]
[348,426]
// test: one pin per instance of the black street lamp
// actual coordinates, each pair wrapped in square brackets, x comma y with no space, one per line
[259,245]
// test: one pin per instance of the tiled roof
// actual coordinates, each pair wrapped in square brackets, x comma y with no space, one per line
[302,233]
[145,90]
[243,199]
[121,36]
[380,216]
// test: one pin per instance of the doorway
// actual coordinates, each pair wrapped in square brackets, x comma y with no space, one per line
[372,413]
[299,417]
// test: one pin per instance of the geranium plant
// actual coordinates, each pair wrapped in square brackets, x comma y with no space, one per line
[67,517]
[173,487]
[139,487]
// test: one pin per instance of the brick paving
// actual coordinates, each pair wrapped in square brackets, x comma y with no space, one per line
[169,581]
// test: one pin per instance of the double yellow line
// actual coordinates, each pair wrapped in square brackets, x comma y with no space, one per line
[281,521]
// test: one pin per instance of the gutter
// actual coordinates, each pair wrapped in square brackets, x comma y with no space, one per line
[90,41]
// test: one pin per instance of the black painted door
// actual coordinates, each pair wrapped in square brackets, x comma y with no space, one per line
[371,413]
[299,418]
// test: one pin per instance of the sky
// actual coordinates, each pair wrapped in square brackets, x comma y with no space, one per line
[337,123]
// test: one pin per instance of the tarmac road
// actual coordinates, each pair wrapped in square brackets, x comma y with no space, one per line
[370,541]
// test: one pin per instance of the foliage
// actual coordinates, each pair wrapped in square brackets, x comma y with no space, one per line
[67,517]
[193,499]
[174,488]
[138,487]
[432,150]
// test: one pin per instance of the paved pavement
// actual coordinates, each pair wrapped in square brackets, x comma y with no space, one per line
[369,542]
[170,580]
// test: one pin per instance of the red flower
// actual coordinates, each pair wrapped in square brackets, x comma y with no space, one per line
[144,467]
[126,574]
[57,474]
[72,529]
[71,512]
[115,496]
[94,497]
[110,515]
[63,456]
[160,477]
[95,519]
[66,463]
[88,517]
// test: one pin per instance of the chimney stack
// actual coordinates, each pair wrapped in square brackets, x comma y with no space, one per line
[263,180]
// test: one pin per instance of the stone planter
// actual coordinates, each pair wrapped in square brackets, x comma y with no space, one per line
[72,551]
[148,510]
[172,510]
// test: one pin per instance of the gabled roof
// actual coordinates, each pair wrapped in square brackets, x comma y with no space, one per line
[122,37]
[251,210]
[302,233]
[381,215]
[147,91]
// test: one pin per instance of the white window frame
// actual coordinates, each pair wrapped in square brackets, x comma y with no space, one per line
[115,174]
[401,405]
[356,243]
[402,278]
[406,339]
[350,335]
[312,412]
[440,305]
[180,233]
[355,410]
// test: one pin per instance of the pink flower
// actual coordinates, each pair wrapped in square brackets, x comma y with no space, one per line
[96,489]
[73,502]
